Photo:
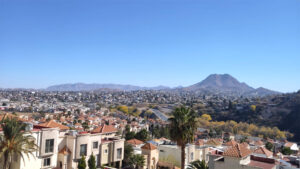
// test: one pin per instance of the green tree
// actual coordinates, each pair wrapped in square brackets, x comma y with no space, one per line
[269,146]
[92,162]
[142,135]
[286,151]
[15,142]
[85,126]
[81,163]
[130,135]
[183,125]
[198,165]
[137,161]
[128,152]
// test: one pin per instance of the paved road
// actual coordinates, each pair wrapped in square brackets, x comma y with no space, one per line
[160,115]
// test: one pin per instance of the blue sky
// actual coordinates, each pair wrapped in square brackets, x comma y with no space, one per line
[149,43]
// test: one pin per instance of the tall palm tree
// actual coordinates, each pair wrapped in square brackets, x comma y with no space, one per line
[198,165]
[15,141]
[183,125]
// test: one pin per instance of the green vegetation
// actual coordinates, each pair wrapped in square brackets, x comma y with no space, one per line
[137,161]
[286,151]
[183,125]
[242,128]
[128,152]
[129,110]
[142,135]
[81,163]
[14,142]
[269,146]
[197,165]
[92,162]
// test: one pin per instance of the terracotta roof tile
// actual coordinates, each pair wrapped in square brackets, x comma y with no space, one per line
[238,151]
[135,142]
[231,143]
[262,150]
[148,146]
[53,124]
[104,129]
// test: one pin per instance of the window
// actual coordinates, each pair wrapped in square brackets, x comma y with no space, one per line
[119,153]
[105,151]
[192,156]
[47,161]
[95,144]
[83,149]
[49,146]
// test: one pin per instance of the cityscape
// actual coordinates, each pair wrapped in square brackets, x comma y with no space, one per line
[149,84]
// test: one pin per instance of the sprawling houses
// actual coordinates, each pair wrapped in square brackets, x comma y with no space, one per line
[61,148]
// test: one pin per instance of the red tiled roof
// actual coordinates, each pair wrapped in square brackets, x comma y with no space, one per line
[148,146]
[238,150]
[105,129]
[289,144]
[213,142]
[199,142]
[262,150]
[135,142]
[259,143]
[53,124]
[231,143]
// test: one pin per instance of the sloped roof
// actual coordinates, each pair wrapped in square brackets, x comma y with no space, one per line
[199,142]
[65,151]
[104,129]
[8,115]
[148,146]
[231,143]
[53,124]
[135,142]
[238,151]
[262,150]
[289,144]
[213,142]
[259,143]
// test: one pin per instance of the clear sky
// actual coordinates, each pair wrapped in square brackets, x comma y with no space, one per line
[149,42]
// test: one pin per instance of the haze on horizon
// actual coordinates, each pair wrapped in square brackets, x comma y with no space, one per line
[149,43]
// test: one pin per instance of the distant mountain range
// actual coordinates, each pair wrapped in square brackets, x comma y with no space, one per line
[215,83]
[95,86]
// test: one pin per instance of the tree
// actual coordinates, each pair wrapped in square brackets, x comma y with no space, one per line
[183,125]
[142,135]
[286,151]
[128,152]
[15,142]
[81,163]
[85,125]
[137,161]
[130,135]
[92,162]
[197,165]
[206,117]
[269,146]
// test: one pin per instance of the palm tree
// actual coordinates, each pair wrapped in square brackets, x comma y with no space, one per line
[183,125]
[137,161]
[15,141]
[198,165]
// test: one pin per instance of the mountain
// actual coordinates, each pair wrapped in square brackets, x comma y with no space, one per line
[95,86]
[226,84]
[223,84]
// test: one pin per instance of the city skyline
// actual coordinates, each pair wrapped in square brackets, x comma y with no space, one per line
[141,43]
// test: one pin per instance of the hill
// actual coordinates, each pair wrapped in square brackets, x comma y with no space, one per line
[95,86]
[226,84]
